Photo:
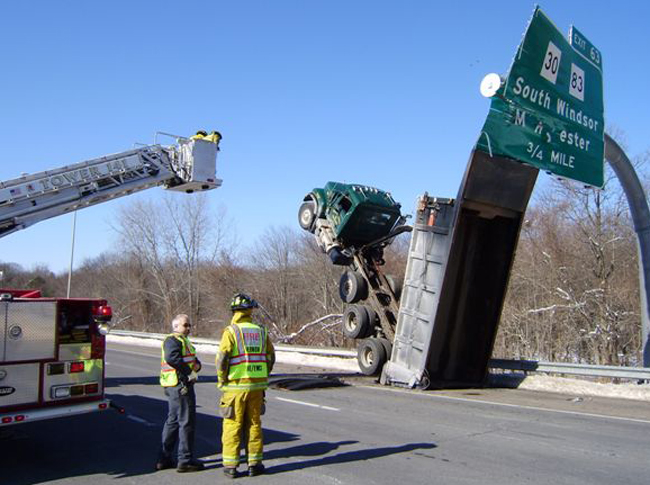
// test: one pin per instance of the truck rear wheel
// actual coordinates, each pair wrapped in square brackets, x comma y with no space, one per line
[352,287]
[307,215]
[371,356]
[388,347]
[356,322]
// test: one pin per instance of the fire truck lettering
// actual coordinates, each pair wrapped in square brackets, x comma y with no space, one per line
[71,177]
[6,390]
[57,180]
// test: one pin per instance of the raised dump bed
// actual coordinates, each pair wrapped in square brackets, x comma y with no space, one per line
[457,273]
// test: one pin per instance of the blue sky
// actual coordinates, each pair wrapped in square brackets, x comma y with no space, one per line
[376,92]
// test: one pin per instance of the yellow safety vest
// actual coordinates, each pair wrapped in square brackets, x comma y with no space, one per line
[248,359]
[168,375]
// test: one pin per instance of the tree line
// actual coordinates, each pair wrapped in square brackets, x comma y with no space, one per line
[573,294]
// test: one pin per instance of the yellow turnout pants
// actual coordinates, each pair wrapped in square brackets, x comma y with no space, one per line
[244,419]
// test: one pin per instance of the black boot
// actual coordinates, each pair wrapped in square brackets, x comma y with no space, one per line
[256,469]
[192,466]
[164,464]
[230,472]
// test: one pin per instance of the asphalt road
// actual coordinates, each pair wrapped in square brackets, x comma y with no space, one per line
[361,433]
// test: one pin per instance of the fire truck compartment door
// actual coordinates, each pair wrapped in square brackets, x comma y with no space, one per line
[18,384]
[27,331]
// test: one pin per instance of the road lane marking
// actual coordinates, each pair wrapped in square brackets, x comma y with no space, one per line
[137,419]
[327,408]
[519,406]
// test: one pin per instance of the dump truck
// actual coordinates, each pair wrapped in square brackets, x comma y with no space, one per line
[353,224]
[437,327]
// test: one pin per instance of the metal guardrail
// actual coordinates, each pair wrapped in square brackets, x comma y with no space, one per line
[323,351]
[639,373]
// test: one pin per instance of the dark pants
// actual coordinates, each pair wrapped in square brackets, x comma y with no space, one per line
[179,426]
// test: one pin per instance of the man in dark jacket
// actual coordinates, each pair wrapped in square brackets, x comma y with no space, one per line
[178,373]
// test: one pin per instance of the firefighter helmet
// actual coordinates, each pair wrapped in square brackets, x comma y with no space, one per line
[241,301]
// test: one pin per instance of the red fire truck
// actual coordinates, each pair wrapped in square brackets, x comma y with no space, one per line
[52,349]
[51,356]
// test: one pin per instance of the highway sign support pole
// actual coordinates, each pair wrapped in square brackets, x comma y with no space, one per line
[638,204]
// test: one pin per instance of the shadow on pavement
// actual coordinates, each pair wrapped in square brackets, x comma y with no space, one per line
[346,457]
[105,443]
[311,449]
[313,380]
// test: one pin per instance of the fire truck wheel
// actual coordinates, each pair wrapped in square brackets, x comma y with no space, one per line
[307,215]
[352,287]
[356,322]
[395,285]
[371,356]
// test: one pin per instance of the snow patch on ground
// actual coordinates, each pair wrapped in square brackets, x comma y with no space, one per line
[282,357]
[578,387]
[563,385]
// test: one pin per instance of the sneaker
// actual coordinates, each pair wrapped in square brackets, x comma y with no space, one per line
[256,469]
[164,464]
[193,466]
[230,472]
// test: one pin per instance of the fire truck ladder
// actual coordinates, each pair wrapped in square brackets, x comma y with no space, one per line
[187,166]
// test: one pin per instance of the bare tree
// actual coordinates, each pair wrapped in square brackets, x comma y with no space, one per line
[273,257]
[573,294]
[169,245]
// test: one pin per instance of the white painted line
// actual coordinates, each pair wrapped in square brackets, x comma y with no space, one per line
[327,408]
[139,420]
[533,408]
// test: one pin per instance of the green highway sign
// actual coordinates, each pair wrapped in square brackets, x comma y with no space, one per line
[549,111]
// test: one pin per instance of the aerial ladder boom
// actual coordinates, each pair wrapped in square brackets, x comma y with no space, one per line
[187,166]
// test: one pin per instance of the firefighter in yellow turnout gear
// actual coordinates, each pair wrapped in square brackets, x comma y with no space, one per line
[244,362]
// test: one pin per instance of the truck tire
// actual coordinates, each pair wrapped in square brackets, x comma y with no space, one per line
[388,347]
[373,319]
[307,215]
[395,285]
[352,287]
[371,356]
[356,322]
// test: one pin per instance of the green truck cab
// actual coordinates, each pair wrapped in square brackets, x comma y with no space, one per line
[345,217]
